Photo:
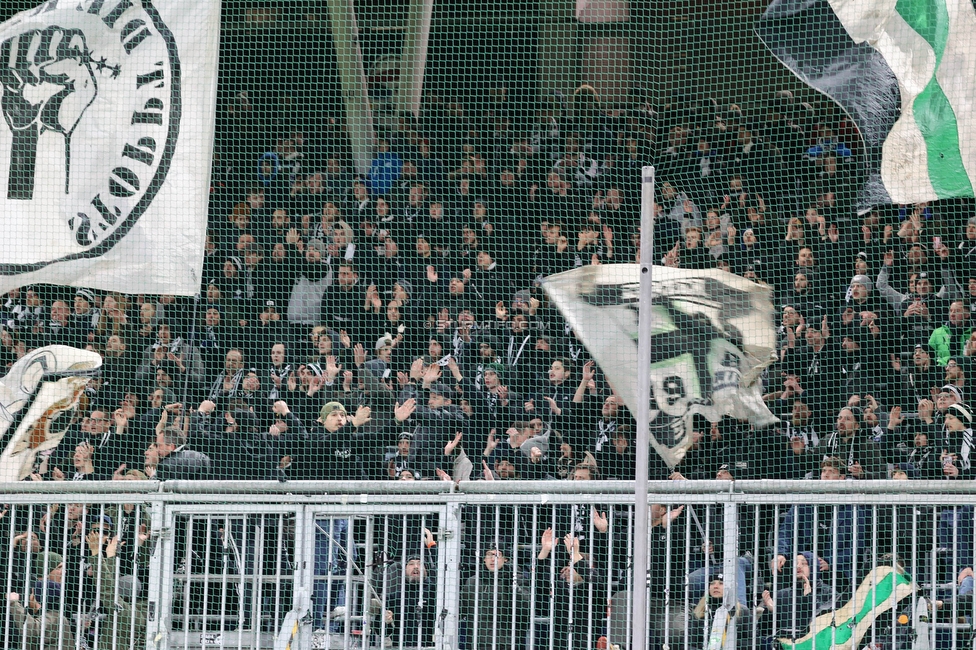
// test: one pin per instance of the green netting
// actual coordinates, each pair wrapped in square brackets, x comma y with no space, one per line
[392,187]
[388,193]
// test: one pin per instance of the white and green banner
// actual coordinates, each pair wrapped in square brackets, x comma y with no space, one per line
[928,44]
[843,629]
[106,141]
[903,70]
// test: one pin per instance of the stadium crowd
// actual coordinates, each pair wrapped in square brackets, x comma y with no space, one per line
[402,308]
[391,326]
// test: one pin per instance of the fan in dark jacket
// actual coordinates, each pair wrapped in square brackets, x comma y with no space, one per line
[573,588]
[495,604]
[435,424]
[862,456]
[233,443]
[797,604]
[333,452]
[411,605]
[176,461]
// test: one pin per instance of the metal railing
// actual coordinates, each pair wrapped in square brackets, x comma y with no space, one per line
[487,565]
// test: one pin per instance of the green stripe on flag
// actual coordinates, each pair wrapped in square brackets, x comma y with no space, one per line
[842,630]
[933,114]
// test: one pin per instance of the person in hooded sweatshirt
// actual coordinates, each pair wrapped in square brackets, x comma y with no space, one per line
[314,277]
[330,453]
[921,307]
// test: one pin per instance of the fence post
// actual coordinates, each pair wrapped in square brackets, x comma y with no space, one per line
[448,562]
[303,569]
[160,574]
[730,568]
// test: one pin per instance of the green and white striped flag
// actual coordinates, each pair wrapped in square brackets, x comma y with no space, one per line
[844,628]
[922,50]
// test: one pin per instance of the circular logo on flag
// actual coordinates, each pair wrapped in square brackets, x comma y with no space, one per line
[91,111]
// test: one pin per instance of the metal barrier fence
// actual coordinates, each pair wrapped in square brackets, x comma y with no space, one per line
[484,566]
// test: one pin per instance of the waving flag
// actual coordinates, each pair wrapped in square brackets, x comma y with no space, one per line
[844,628]
[712,336]
[38,399]
[903,70]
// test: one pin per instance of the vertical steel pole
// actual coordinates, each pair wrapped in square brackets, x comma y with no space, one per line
[352,75]
[730,568]
[639,615]
[450,594]
[413,62]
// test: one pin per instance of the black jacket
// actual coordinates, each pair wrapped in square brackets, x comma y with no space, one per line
[184,465]
[432,430]
[324,456]
[496,603]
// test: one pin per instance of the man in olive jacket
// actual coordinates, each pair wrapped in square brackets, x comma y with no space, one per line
[120,617]
[41,618]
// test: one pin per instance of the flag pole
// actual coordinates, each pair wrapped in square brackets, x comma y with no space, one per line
[185,410]
[639,613]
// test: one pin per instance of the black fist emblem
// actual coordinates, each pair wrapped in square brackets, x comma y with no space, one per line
[47,84]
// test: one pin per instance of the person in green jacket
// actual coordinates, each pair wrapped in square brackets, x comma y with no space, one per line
[950,339]
[120,618]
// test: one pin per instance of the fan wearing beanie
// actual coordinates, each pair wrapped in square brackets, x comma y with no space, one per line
[39,616]
[861,296]
[957,445]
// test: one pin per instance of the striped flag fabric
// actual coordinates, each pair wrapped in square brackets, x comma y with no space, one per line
[904,71]
[844,628]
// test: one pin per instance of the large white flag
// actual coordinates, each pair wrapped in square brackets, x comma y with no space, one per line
[712,335]
[105,146]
